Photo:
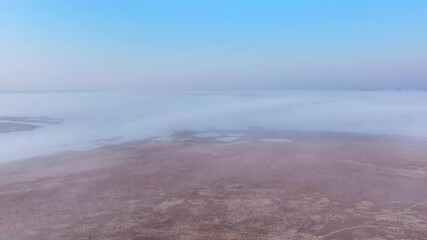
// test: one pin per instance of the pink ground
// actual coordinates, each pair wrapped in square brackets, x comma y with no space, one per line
[316,186]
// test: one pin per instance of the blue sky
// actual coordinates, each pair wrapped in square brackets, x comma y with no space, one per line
[212,45]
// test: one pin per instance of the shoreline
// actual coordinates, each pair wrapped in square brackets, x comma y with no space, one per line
[222,135]
[317,185]
[11,127]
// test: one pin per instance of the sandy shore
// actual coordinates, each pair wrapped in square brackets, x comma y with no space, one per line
[291,185]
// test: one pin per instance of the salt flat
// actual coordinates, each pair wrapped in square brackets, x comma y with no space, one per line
[320,185]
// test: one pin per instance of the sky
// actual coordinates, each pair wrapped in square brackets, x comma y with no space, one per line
[212,45]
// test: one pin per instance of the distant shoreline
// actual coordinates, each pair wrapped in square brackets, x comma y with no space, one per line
[183,91]
[8,127]
[21,124]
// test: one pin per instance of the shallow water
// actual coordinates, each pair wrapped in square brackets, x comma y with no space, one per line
[275,140]
[208,135]
[227,139]
[84,119]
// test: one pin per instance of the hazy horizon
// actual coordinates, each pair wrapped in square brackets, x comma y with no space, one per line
[213,119]
[82,119]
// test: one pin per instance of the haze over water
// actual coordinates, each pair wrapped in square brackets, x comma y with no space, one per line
[91,119]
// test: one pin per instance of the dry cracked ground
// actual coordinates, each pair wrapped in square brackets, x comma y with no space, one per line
[317,185]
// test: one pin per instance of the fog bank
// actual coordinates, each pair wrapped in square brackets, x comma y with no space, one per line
[89,119]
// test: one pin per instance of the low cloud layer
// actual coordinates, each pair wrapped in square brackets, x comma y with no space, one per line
[94,116]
